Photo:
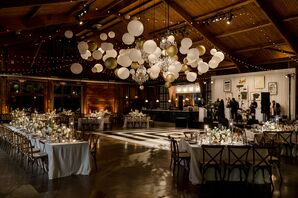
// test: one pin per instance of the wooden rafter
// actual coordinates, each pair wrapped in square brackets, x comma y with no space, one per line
[33,12]
[29,3]
[216,42]
[277,23]
[279,50]
[76,8]
[258,47]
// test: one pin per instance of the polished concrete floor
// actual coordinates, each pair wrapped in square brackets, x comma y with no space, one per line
[132,171]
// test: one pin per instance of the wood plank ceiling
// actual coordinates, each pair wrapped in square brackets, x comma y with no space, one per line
[262,34]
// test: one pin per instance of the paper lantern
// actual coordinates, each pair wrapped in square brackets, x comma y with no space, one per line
[193,54]
[97,55]
[76,68]
[68,34]
[213,51]
[128,39]
[86,55]
[213,64]
[135,55]
[141,87]
[92,46]
[106,46]
[111,53]
[123,73]
[135,27]
[98,67]
[94,70]
[186,43]
[220,55]
[201,49]
[132,71]
[110,63]
[194,64]
[83,45]
[111,34]
[135,65]
[171,39]
[203,67]
[183,50]
[152,58]
[149,46]
[141,61]
[124,60]
[153,76]
[170,78]
[103,36]
[157,52]
[191,76]
[172,50]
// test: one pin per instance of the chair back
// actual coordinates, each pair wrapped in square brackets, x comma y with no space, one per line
[212,154]
[270,137]
[238,154]
[261,155]
[93,141]
[285,137]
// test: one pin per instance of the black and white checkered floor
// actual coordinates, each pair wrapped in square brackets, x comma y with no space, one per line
[152,137]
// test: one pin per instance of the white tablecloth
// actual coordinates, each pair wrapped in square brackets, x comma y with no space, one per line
[196,154]
[67,159]
[136,121]
[64,159]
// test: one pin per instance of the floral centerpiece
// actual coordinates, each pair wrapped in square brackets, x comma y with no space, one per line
[136,113]
[217,135]
[100,114]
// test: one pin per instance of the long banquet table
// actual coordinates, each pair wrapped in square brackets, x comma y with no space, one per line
[196,153]
[65,158]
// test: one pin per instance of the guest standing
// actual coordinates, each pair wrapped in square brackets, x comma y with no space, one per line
[252,108]
[234,109]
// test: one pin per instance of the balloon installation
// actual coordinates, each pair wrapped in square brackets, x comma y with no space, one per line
[146,59]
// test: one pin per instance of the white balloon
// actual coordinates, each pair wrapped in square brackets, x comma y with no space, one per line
[111,53]
[186,43]
[203,67]
[216,59]
[157,52]
[213,51]
[83,45]
[111,34]
[98,67]
[171,38]
[132,71]
[97,55]
[193,54]
[123,73]
[190,61]
[191,76]
[135,27]
[213,64]
[183,50]
[103,36]
[86,55]
[149,46]
[128,39]
[124,60]
[68,34]
[76,68]
[220,55]
[135,55]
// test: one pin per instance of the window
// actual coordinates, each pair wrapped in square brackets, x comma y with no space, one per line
[67,96]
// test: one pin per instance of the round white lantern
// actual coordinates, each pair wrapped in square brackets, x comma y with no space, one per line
[135,27]
[103,36]
[124,60]
[68,34]
[76,68]
[83,45]
[213,51]
[183,50]
[135,55]
[191,76]
[213,64]
[128,39]
[171,39]
[111,53]
[86,55]
[111,34]
[98,67]
[123,73]
[203,67]
[149,46]
[193,54]
[186,43]
[220,55]
[97,55]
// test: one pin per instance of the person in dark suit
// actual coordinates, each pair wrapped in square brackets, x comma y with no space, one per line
[234,108]
[252,108]
[275,108]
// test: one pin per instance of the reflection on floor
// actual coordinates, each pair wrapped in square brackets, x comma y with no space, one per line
[130,170]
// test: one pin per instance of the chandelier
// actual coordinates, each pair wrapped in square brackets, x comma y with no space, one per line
[140,75]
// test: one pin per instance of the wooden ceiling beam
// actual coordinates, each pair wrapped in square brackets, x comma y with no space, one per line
[290,18]
[29,3]
[216,42]
[33,12]
[274,61]
[277,23]
[279,50]
[76,8]
[243,30]
[258,47]
[234,6]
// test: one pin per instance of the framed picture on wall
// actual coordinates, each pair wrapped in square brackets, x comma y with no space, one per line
[259,82]
[272,88]
[255,95]
[227,86]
